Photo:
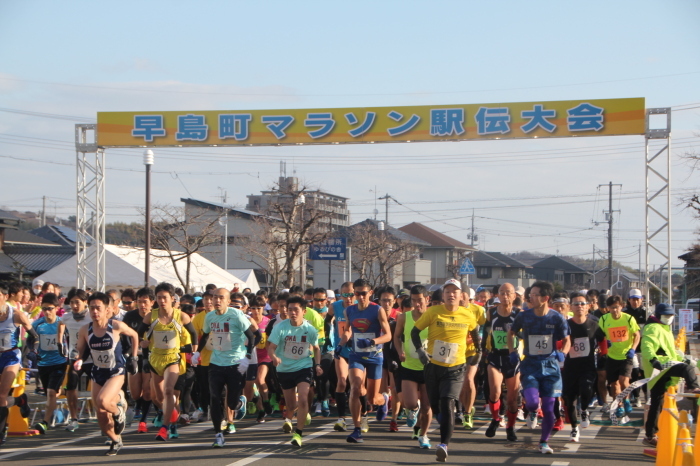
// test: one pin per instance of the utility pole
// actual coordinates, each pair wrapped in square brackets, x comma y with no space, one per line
[43,211]
[610,233]
[386,212]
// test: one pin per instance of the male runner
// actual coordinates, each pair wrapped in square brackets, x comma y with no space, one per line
[293,348]
[468,394]
[337,312]
[540,375]
[635,307]
[73,321]
[368,329]
[445,360]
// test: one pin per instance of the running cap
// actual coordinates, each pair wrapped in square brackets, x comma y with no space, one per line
[330,294]
[664,309]
[472,293]
[635,293]
[454,282]
[520,290]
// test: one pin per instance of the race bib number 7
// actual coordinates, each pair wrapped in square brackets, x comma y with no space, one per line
[540,345]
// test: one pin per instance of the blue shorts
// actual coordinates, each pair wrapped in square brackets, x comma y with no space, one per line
[374,370]
[101,376]
[9,358]
[542,374]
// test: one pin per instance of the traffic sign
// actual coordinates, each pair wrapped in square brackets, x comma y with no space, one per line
[467,267]
[332,249]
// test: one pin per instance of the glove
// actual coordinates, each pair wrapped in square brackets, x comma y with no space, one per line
[363,342]
[394,366]
[62,350]
[474,359]
[132,366]
[243,365]
[514,358]
[78,364]
[336,353]
[630,354]
[423,356]
[195,358]
[73,354]
[560,356]
[656,364]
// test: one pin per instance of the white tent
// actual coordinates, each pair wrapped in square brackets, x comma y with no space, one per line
[125,268]
[247,279]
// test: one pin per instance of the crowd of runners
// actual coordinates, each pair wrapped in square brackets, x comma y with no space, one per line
[532,355]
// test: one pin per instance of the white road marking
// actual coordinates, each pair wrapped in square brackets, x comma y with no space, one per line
[560,463]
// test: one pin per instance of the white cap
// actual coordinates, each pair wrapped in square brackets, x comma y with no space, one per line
[472,293]
[330,294]
[520,290]
[635,293]
[454,282]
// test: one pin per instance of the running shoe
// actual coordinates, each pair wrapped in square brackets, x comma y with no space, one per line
[296,440]
[585,419]
[468,422]
[416,432]
[521,415]
[503,422]
[574,435]
[230,428]
[650,441]
[252,407]
[162,434]
[158,420]
[356,436]
[72,425]
[424,442]
[218,441]
[510,434]
[115,447]
[173,432]
[383,410]
[531,421]
[412,417]
[620,412]
[317,408]
[340,425]
[540,414]
[487,410]
[606,408]
[261,417]
[441,453]
[41,426]
[627,406]
[307,421]
[240,412]
[364,424]
[558,425]
[325,409]
[120,417]
[493,426]
[287,426]
[459,418]
[3,434]
[592,403]
[143,428]
[393,426]
[23,404]
[638,402]
[545,449]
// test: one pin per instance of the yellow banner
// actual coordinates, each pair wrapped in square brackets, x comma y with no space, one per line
[602,117]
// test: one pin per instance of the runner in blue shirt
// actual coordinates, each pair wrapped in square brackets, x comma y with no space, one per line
[337,313]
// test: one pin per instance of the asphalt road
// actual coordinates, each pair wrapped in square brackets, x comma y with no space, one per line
[265,444]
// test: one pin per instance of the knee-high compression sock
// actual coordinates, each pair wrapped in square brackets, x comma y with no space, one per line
[4,413]
[512,417]
[341,401]
[532,399]
[495,409]
[363,404]
[548,420]
[145,407]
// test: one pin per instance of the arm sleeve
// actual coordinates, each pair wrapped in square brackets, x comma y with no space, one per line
[203,341]
[190,328]
[415,337]
[251,340]
[476,338]
[143,328]
[258,336]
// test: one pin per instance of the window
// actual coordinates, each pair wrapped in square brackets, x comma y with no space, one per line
[483,272]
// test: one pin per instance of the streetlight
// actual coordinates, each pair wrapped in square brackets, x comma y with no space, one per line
[300,201]
[148,160]
[223,221]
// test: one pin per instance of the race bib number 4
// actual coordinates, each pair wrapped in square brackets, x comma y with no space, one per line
[296,350]
[580,348]
[540,345]
[48,342]
[618,334]
[165,339]
[444,352]
[222,341]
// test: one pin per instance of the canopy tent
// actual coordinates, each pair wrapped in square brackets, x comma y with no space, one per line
[247,279]
[125,268]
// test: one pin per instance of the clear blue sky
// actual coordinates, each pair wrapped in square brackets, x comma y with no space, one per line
[73,59]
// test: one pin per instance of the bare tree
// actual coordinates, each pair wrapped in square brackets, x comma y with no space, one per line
[377,253]
[266,253]
[176,237]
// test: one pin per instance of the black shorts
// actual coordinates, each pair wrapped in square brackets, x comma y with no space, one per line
[289,380]
[144,365]
[600,362]
[74,376]
[444,382]
[52,376]
[411,375]
[101,376]
[503,364]
[576,381]
[616,368]
[251,373]
[185,379]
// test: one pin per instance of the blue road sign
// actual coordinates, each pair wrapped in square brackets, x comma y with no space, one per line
[467,267]
[332,249]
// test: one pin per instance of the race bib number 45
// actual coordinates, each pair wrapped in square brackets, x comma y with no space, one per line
[540,345]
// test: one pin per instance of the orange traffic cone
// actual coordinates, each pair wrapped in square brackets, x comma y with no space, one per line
[684,448]
[18,425]
[668,429]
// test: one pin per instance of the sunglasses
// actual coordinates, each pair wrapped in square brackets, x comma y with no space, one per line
[347,295]
[318,300]
[127,303]
[47,309]
[361,293]
[579,303]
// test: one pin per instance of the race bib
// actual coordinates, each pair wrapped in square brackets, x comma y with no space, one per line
[444,352]
[47,342]
[222,341]
[296,350]
[618,334]
[104,359]
[165,339]
[500,339]
[580,348]
[540,345]
[73,340]
[412,349]
[5,341]
[358,336]
[210,343]
[263,341]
